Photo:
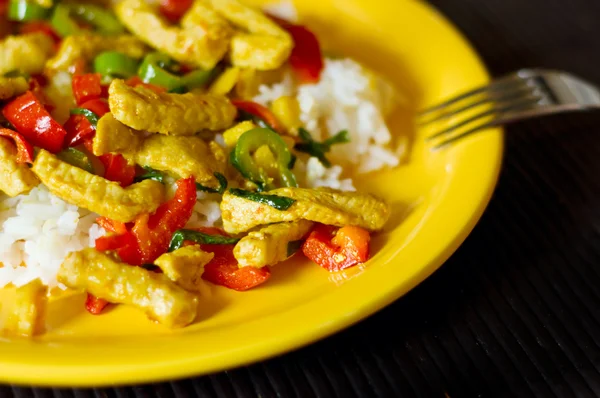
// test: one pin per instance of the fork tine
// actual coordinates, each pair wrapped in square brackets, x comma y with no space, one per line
[528,101]
[498,84]
[491,123]
[490,98]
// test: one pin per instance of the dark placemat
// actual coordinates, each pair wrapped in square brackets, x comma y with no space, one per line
[516,311]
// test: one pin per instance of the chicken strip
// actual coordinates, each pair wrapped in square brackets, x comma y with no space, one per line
[185,267]
[179,155]
[170,114]
[12,86]
[15,178]
[26,53]
[263,45]
[269,245]
[86,46]
[326,206]
[27,317]
[106,278]
[95,193]
[202,40]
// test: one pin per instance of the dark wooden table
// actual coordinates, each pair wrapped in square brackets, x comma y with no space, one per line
[516,311]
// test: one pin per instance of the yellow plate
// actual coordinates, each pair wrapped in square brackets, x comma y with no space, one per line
[437,198]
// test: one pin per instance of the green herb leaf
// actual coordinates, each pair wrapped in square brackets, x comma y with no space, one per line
[76,158]
[151,174]
[198,237]
[89,115]
[277,202]
[319,149]
[222,185]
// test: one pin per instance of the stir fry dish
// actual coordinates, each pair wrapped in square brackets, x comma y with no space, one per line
[150,150]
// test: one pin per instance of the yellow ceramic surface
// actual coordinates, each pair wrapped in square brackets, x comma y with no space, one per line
[437,199]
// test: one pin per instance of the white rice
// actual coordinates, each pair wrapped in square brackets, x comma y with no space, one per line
[39,229]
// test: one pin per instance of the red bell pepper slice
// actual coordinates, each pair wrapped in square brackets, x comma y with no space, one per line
[114,226]
[34,122]
[153,233]
[99,106]
[24,148]
[306,58]
[78,68]
[136,81]
[114,242]
[95,305]
[117,169]
[173,10]
[260,111]
[78,129]
[87,87]
[339,250]
[40,27]
[223,270]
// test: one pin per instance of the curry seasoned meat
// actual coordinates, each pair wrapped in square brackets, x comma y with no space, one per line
[25,53]
[171,114]
[12,86]
[185,266]
[154,293]
[86,46]
[326,206]
[182,156]
[202,39]
[259,43]
[28,314]
[17,178]
[269,245]
[95,193]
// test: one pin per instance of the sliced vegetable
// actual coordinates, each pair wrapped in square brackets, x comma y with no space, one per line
[98,106]
[116,242]
[173,10]
[95,305]
[89,115]
[151,174]
[114,226]
[115,64]
[62,23]
[183,235]
[29,117]
[259,114]
[78,129]
[87,87]
[24,148]
[319,149]
[277,202]
[154,70]
[153,233]
[337,249]
[248,143]
[23,11]
[117,169]
[222,185]
[104,21]
[76,158]
[306,58]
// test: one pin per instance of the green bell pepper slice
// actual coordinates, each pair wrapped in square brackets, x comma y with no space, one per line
[154,70]
[76,158]
[104,21]
[115,64]
[24,11]
[62,23]
[248,143]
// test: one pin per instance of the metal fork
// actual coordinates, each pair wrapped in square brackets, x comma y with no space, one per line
[525,94]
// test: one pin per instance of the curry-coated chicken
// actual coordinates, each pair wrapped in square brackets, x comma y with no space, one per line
[202,39]
[103,276]
[29,309]
[269,245]
[25,53]
[182,156]
[326,206]
[17,178]
[171,114]
[185,267]
[92,192]
[12,86]
[85,47]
